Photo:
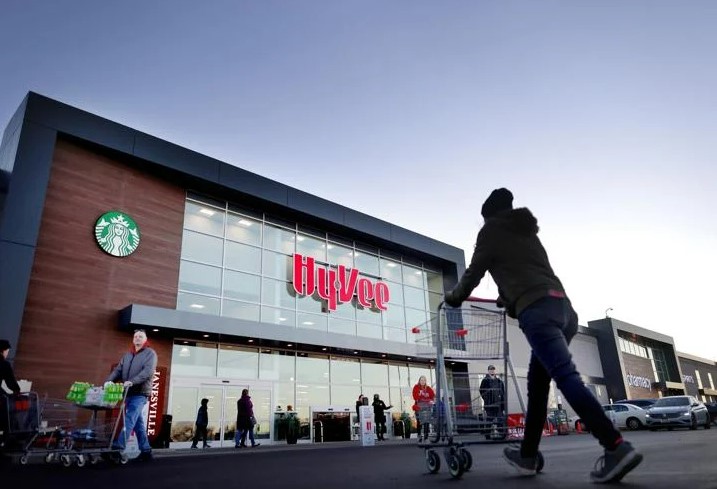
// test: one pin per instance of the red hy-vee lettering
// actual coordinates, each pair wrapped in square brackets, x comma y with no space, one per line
[337,286]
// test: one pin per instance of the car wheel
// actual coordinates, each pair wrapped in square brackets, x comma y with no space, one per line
[693,424]
[633,424]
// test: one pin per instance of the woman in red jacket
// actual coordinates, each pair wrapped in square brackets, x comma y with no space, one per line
[424,397]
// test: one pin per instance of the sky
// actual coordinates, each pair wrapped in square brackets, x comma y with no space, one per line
[600,116]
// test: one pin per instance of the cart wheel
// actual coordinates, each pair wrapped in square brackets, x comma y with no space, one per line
[467,459]
[66,460]
[455,467]
[49,458]
[433,461]
[434,437]
[540,462]
[123,459]
[24,459]
[94,459]
[81,461]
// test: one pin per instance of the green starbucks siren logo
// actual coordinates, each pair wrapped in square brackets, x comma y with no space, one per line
[117,233]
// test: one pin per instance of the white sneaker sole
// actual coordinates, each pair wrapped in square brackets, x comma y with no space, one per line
[521,470]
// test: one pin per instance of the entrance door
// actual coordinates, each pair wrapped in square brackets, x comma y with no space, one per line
[185,398]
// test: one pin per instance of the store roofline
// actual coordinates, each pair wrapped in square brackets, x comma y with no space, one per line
[88,127]
[695,358]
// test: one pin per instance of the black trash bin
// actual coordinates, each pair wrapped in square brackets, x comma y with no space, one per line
[165,433]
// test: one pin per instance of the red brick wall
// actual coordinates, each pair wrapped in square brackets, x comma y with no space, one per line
[70,326]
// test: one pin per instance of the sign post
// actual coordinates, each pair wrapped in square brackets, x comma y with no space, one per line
[367,433]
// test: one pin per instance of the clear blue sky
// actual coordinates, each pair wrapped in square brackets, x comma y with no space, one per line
[601,116]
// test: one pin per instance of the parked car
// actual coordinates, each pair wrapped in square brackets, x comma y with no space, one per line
[627,416]
[676,411]
[643,403]
[622,416]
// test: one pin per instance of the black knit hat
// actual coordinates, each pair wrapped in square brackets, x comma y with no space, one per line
[500,199]
[4,345]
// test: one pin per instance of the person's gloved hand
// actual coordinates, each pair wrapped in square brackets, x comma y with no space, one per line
[452,300]
[127,383]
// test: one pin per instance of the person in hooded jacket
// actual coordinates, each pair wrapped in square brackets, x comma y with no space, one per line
[508,247]
[201,425]
[379,416]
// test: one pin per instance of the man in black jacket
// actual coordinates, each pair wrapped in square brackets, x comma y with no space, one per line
[508,247]
[201,425]
[492,391]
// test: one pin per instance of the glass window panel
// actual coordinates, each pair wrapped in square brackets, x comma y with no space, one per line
[369,330]
[244,229]
[434,300]
[374,373]
[342,326]
[241,286]
[434,281]
[390,270]
[310,246]
[395,293]
[312,369]
[277,293]
[242,257]
[415,317]
[415,298]
[238,362]
[393,375]
[345,310]
[194,360]
[277,365]
[403,374]
[312,303]
[184,412]
[415,373]
[394,334]
[204,218]
[203,248]
[397,402]
[414,276]
[277,265]
[368,315]
[284,317]
[345,371]
[284,395]
[279,239]
[340,255]
[312,395]
[394,316]
[240,310]
[366,263]
[311,321]
[197,303]
[202,279]
[345,395]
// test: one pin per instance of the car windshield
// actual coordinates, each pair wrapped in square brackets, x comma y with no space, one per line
[672,401]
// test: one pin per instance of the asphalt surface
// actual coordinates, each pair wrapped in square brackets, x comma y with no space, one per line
[672,459]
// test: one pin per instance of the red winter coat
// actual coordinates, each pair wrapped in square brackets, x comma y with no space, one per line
[424,396]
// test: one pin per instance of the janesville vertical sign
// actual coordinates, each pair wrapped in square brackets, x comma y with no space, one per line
[337,285]
[156,402]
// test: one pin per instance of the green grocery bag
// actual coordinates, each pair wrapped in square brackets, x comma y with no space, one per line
[78,392]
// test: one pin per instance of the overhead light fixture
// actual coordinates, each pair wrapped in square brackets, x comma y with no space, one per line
[206,335]
[300,238]
[355,353]
[155,330]
[408,358]
[251,341]
[307,323]
[383,356]
[197,306]
[184,352]
[330,247]
[391,264]
[289,344]
[207,212]
[185,342]
[244,222]
[282,319]
[323,349]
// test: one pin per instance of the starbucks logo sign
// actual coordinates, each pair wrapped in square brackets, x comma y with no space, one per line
[117,234]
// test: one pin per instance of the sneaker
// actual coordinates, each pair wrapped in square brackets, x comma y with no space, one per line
[194,447]
[207,446]
[255,444]
[615,464]
[145,456]
[524,465]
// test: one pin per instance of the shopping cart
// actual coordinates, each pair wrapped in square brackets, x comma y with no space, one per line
[464,414]
[60,430]
[19,422]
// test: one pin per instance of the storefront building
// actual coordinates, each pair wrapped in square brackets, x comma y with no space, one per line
[699,376]
[239,281]
[638,363]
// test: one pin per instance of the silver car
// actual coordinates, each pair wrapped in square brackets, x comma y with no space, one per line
[676,411]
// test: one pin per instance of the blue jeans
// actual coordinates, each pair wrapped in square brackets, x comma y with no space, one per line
[133,420]
[240,436]
[549,324]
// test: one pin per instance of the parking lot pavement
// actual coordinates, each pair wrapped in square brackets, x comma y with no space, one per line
[672,459]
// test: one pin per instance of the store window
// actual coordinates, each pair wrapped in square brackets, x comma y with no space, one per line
[237,362]
[241,286]
[198,303]
[346,371]
[340,255]
[277,366]
[310,246]
[202,248]
[194,359]
[204,218]
[312,369]
[202,279]
[241,310]
[390,270]
[279,239]
[242,257]
[244,229]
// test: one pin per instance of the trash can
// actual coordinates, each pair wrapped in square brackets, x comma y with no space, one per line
[165,433]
